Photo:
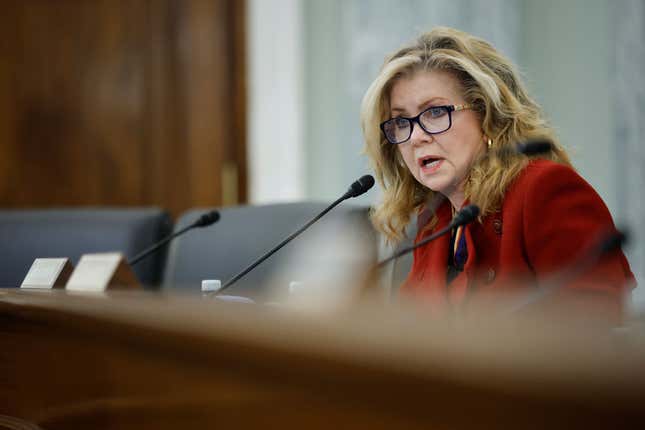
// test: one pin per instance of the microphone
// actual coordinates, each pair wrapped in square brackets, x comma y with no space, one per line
[207,219]
[604,244]
[203,221]
[528,148]
[534,147]
[359,187]
[465,216]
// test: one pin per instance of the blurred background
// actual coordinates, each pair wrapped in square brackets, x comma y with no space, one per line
[188,103]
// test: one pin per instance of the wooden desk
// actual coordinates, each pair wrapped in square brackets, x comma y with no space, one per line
[144,360]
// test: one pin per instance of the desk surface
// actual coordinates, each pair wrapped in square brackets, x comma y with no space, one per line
[145,360]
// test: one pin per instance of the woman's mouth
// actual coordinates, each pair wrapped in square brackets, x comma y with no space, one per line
[430,164]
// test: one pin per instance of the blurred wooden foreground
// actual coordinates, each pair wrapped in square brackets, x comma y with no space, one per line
[144,360]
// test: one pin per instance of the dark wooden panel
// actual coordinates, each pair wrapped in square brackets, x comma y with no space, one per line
[7,112]
[237,70]
[116,102]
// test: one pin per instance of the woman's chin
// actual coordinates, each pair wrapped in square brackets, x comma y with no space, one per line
[437,185]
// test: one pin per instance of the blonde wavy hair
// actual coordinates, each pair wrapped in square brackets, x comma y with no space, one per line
[491,85]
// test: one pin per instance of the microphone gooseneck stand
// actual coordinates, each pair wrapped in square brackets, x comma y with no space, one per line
[357,188]
[203,221]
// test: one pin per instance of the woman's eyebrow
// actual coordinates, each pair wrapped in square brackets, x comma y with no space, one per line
[432,101]
[420,107]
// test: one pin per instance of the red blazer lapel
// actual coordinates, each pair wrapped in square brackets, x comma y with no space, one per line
[433,259]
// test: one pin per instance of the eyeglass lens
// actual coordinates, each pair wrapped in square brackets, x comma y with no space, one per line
[432,120]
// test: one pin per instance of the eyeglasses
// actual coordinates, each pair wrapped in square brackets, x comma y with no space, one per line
[434,120]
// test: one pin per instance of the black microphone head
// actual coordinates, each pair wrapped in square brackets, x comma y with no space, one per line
[612,240]
[361,186]
[466,215]
[535,147]
[207,219]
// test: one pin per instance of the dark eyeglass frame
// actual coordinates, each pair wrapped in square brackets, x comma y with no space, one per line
[448,108]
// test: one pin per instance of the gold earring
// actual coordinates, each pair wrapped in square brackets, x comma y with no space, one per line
[490,143]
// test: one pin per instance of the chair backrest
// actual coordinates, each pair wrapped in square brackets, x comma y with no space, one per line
[245,233]
[29,234]
[396,272]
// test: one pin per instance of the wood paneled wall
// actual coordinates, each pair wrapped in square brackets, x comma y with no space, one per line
[122,103]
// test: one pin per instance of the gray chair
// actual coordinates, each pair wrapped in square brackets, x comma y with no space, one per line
[244,233]
[396,272]
[29,234]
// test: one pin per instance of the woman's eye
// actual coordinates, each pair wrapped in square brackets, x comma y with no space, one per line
[401,122]
[436,112]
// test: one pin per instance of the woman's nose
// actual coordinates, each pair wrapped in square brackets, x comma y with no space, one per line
[419,135]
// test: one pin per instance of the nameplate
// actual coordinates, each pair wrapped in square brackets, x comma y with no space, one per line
[100,272]
[48,273]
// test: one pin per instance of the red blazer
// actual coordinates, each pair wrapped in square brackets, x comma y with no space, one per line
[548,218]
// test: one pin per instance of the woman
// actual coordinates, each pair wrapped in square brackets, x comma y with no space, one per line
[441,123]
